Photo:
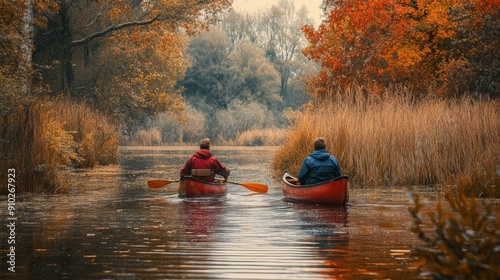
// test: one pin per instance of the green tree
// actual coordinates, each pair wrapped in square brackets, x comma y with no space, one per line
[253,77]
[278,32]
[218,77]
[284,39]
[208,77]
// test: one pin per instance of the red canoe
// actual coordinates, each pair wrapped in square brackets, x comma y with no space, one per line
[334,192]
[191,187]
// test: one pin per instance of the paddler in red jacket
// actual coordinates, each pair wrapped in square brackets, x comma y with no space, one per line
[203,165]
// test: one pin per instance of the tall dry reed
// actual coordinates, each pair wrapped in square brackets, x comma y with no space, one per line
[393,140]
[37,139]
[95,136]
[34,146]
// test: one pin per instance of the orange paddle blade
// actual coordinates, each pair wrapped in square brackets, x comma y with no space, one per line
[156,184]
[259,188]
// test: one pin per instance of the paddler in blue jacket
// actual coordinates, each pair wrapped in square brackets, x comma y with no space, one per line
[319,166]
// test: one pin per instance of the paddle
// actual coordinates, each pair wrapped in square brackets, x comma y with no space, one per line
[260,188]
[156,184]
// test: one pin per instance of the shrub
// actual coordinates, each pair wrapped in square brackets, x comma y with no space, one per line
[151,137]
[262,137]
[181,128]
[241,117]
[464,243]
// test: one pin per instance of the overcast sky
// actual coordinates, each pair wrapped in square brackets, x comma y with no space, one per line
[258,5]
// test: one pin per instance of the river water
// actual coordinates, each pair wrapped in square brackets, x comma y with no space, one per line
[112,226]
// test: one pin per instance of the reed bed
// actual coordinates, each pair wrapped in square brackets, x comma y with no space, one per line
[38,139]
[33,148]
[96,138]
[395,140]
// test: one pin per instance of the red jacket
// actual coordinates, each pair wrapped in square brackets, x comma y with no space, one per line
[203,159]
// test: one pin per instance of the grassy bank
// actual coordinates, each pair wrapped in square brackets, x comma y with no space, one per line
[394,140]
[36,140]
[96,138]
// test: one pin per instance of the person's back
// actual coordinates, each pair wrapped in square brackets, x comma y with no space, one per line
[319,166]
[203,165]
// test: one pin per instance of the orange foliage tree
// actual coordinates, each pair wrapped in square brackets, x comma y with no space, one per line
[418,43]
[123,56]
[79,23]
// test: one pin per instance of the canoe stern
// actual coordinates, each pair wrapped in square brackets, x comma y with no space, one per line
[334,192]
[190,187]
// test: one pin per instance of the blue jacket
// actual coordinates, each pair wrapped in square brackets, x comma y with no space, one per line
[318,167]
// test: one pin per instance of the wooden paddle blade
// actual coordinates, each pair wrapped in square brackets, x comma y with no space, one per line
[156,184]
[259,188]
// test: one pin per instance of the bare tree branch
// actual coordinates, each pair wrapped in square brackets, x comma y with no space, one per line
[111,29]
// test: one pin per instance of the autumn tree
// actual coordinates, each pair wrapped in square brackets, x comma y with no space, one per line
[449,45]
[10,18]
[17,23]
[459,44]
[124,57]
[137,76]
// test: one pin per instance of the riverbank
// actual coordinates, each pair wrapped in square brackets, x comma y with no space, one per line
[394,141]
[39,138]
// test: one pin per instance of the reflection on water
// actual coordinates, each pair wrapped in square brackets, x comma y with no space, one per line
[112,226]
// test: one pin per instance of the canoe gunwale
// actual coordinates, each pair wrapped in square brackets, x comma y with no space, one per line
[334,192]
[201,181]
[286,175]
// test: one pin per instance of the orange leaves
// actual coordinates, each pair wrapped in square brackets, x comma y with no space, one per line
[50,6]
[349,42]
[44,8]
[118,9]
[406,41]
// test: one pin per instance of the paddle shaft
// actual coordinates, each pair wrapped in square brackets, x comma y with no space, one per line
[260,188]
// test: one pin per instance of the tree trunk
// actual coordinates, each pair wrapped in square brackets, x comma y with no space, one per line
[66,50]
[26,48]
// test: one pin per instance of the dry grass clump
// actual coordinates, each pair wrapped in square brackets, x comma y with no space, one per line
[261,137]
[150,137]
[95,137]
[393,140]
[35,146]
